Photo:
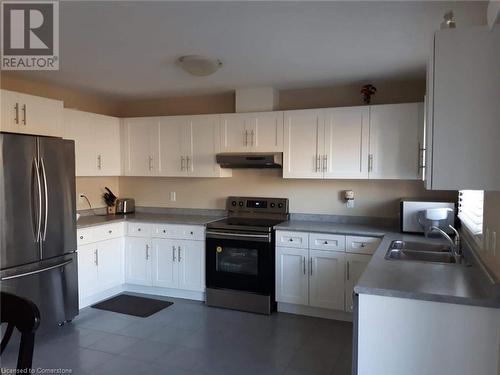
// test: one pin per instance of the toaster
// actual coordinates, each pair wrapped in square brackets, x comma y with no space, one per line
[125,205]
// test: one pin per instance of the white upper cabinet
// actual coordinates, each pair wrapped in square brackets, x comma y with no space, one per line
[28,114]
[250,132]
[346,143]
[202,144]
[173,146]
[141,146]
[97,145]
[303,144]
[394,141]
[188,145]
[463,109]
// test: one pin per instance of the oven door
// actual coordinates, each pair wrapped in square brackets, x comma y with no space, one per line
[240,261]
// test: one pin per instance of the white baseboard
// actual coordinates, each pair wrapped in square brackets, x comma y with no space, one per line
[166,292]
[314,311]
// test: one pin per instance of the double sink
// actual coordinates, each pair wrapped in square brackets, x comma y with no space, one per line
[420,251]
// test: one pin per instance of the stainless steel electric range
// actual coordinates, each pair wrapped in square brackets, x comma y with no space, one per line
[240,254]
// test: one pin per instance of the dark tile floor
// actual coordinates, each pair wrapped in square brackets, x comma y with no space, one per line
[189,338]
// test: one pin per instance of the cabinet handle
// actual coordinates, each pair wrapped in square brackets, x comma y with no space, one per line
[188,159]
[182,163]
[325,163]
[25,109]
[317,163]
[179,249]
[16,119]
[348,271]
[147,251]
[246,138]
[311,266]
[81,237]
[252,137]
[150,162]
[173,254]
[370,163]
[99,161]
[304,264]
[96,257]
[110,231]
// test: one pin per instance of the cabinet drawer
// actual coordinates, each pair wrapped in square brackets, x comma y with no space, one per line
[181,232]
[361,244]
[139,230]
[85,236]
[330,242]
[292,239]
[109,231]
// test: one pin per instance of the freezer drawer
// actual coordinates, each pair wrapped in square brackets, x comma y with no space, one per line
[52,285]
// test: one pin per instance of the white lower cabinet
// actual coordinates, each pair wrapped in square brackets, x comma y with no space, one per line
[292,275]
[355,265]
[320,270]
[326,279]
[179,264]
[100,267]
[138,261]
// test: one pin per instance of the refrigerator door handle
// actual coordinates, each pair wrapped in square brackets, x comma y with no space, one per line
[39,190]
[36,271]
[46,200]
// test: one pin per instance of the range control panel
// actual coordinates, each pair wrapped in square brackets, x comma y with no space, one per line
[257,204]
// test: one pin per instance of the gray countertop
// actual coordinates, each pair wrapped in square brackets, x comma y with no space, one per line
[89,221]
[451,283]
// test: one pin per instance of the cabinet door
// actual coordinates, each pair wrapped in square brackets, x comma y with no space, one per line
[355,265]
[303,144]
[41,116]
[10,112]
[141,147]
[326,279]
[261,131]
[346,143]
[394,141]
[106,138]
[76,128]
[110,263]
[138,260]
[191,257]
[292,271]
[173,139]
[202,145]
[266,131]
[233,135]
[165,263]
[87,270]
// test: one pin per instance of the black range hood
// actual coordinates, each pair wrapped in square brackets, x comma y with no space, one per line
[250,160]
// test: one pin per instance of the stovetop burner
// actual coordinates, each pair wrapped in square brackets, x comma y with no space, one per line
[252,214]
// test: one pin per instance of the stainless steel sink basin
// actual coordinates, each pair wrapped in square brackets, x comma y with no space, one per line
[419,251]
[420,246]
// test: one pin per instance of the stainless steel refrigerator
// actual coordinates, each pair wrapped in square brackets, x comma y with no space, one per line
[38,224]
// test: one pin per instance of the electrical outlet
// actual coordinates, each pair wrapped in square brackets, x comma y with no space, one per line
[350,203]
[172,196]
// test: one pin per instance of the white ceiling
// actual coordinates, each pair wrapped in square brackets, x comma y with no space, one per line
[128,49]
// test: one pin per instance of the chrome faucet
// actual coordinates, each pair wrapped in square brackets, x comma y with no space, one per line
[455,244]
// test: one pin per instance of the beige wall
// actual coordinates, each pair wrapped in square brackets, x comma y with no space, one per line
[93,188]
[373,198]
[492,222]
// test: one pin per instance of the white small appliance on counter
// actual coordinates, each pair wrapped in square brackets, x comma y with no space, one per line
[417,216]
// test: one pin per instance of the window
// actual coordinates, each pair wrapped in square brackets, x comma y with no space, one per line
[470,211]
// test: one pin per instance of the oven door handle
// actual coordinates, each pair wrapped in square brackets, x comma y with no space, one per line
[255,237]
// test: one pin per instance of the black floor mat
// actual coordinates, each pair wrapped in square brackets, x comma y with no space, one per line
[132,305]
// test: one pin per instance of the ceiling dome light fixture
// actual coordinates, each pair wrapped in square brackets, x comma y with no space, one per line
[199,66]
